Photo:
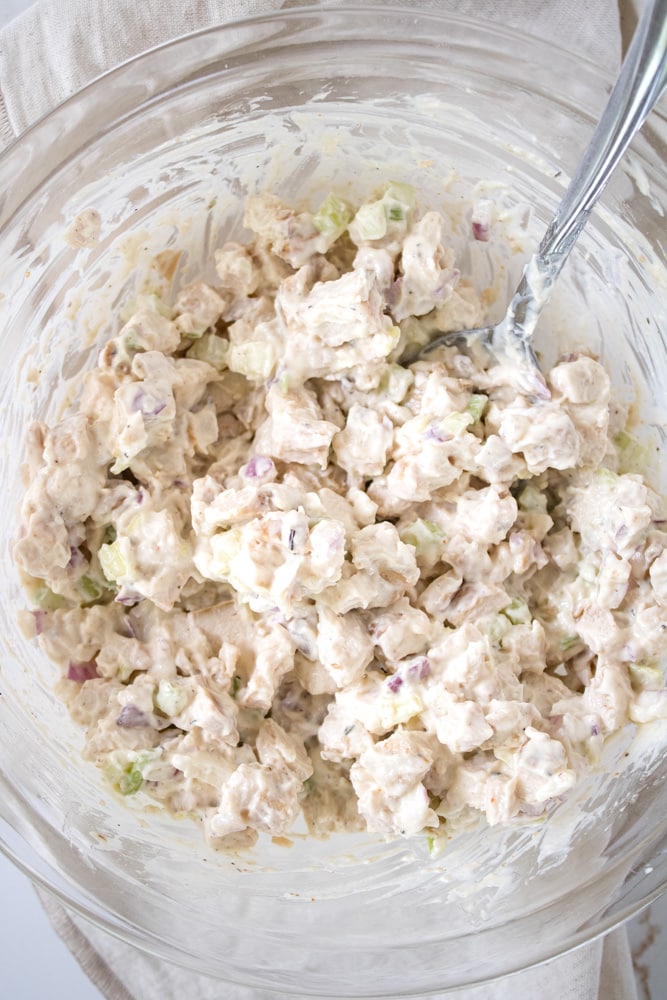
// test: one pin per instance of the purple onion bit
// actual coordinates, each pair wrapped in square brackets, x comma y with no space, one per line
[127,628]
[259,467]
[81,672]
[132,717]
[420,670]
[394,683]
[147,404]
[128,598]
[40,620]
[451,278]
[76,558]
[435,433]
[481,231]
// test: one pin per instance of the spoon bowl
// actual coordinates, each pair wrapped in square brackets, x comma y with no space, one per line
[640,84]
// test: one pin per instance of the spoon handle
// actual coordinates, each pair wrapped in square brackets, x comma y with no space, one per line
[642,80]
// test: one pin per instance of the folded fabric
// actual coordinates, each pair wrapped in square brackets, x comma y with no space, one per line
[46,54]
[57,46]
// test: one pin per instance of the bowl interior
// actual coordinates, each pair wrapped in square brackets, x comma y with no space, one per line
[300,104]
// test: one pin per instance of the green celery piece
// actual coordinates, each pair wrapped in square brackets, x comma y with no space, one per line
[212,349]
[477,405]
[112,561]
[90,589]
[46,600]
[518,612]
[332,217]
[131,780]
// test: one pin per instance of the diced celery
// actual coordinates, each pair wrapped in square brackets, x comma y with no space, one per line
[392,337]
[497,629]
[632,456]
[371,221]
[568,642]
[212,349]
[518,612]
[437,841]
[506,755]
[396,382]
[131,780]
[476,405]
[131,340]
[255,359]
[456,423]
[224,546]
[532,499]
[171,698]
[332,217]
[149,301]
[402,193]
[127,771]
[642,676]
[123,672]
[605,476]
[425,536]
[397,708]
[153,302]
[45,598]
[90,589]
[112,561]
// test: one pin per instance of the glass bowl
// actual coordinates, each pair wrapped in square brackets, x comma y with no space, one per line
[164,149]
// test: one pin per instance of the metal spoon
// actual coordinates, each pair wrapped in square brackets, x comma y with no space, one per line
[642,80]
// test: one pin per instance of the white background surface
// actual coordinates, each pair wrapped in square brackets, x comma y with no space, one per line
[36,965]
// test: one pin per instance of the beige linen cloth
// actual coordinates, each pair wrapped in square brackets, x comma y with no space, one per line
[48,53]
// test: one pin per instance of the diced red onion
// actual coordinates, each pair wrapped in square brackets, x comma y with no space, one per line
[259,467]
[132,717]
[420,670]
[76,558]
[482,219]
[127,628]
[40,621]
[433,433]
[81,672]
[450,280]
[148,404]
[394,683]
[128,598]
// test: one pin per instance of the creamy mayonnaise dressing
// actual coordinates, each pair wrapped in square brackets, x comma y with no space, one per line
[280,572]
